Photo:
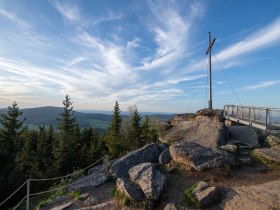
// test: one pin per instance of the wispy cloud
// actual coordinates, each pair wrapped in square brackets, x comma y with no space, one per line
[171,31]
[14,18]
[234,54]
[67,10]
[262,85]
[260,39]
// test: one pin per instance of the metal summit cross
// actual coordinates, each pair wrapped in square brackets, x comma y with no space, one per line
[208,51]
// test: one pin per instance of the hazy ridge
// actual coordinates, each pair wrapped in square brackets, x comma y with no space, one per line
[48,116]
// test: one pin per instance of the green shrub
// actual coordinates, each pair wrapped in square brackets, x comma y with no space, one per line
[189,197]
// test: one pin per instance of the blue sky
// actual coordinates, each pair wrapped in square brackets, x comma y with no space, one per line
[148,53]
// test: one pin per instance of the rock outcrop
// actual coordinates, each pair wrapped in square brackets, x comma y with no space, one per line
[205,194]
[271,154]
[243,134]
[258,197]
[198,157]
[124,186]
[202,130]
[149,179]
[149,153]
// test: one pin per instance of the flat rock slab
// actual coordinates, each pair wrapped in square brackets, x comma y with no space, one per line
[258,197]
[149,179]
[202,130]
[244,134]
[149,153]
[272,153]
[198,157]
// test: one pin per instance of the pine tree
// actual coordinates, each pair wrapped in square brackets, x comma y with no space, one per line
[113,137]
[10,133]
[11,129]
[148,134]
[27,159]
[45,150]
[146,131]
[135,128]
[67,154]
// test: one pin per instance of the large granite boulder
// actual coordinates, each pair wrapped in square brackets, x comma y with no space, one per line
[205,194]
[132,191]
[243,134]
[198,157]
[148,153]
[180,117]
[214,114]
[149,179]
[165,157]
[202,130]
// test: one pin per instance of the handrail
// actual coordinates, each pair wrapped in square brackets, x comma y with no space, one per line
[104,158]
[261,117]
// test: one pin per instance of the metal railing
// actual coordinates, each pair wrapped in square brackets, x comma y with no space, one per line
[260,117]
[91,179]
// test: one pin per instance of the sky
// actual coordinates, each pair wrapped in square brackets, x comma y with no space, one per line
[145,53]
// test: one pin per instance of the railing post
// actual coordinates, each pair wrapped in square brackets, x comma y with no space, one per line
[27,194]
[266,119]
[106,164]
[250,118]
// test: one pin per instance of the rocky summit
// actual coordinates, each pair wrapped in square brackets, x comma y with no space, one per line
[203,162]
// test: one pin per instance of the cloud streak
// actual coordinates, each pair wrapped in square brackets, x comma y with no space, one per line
[263,85]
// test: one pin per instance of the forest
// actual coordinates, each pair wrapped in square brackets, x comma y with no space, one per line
[51,151]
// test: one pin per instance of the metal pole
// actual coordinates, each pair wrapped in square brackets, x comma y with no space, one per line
[266,119]
[89,201]
[27,194]
[250,117]
[209,75]
[106,165]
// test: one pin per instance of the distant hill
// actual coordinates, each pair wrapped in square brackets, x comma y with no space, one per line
[48,116]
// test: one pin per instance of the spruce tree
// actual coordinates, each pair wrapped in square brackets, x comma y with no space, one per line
[11,129]
[113,137]
[10,139]
[66,153]
[148,134]
[135,128]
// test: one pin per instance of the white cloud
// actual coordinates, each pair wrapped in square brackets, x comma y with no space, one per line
[14,18]
[68,11]
[262,85]
[170,30]
[260,39]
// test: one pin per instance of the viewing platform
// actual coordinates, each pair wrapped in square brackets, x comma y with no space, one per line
[258,117]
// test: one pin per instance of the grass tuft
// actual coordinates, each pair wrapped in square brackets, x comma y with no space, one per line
[189,197]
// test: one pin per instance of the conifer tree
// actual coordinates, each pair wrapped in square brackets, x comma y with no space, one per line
[10,131]
[66,153]
[113,137]
[27,159]
[148,134]
[45,150]
[135,128]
